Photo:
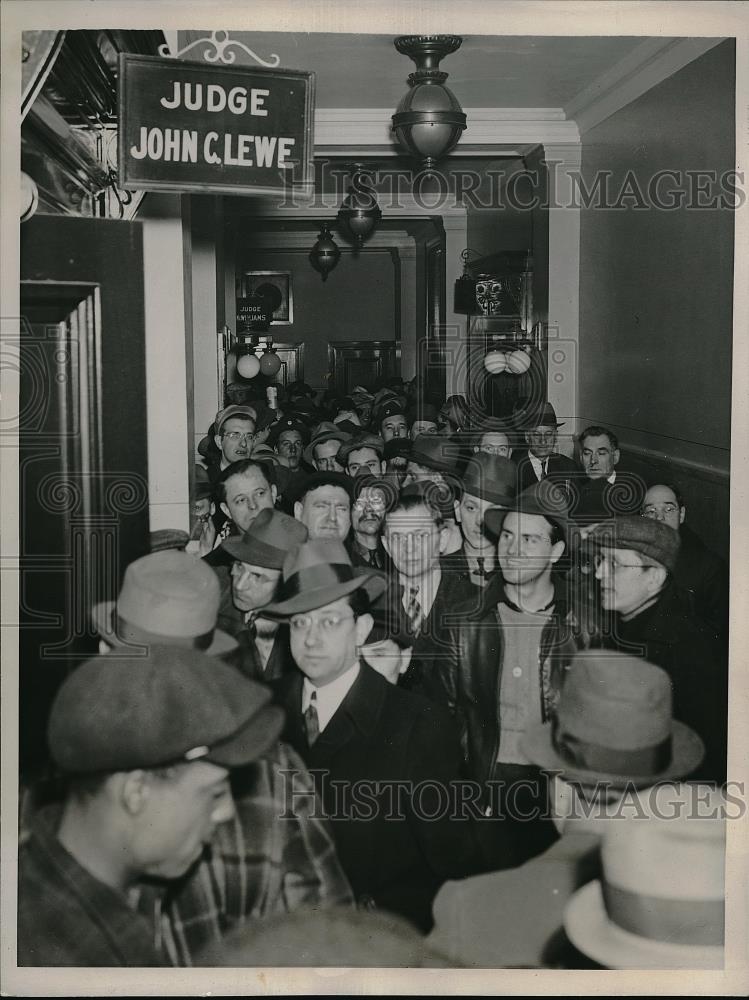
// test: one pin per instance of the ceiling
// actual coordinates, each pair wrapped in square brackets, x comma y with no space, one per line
[500,71]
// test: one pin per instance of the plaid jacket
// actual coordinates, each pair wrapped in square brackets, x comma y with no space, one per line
[276,855]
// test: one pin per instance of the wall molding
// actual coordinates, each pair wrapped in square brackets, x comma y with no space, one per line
[649,64]
[698,470]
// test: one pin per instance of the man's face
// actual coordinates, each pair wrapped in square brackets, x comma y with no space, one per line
[661,504]
[626,583]
[365,413]
[394,427]
[364,462]
[324,642]
[525,551]
[416,473]
[470,515]
[495,443]
[236,438]
[423,427]
[325,512]
[201,510]
[598,457]
[542,440]
[413,541]
[387,658]
[368,511]
[289,448]
[246,495]
[252,586]
[325,456]
[179,813]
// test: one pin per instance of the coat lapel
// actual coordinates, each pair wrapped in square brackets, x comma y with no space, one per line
[356,716]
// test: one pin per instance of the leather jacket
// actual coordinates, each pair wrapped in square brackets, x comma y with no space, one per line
[468,676]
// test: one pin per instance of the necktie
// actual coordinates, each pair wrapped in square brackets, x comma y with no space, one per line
[480,570]
[311,721]
[414,611]
[544,469]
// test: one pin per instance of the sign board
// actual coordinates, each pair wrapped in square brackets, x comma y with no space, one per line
[253,312]
[191,126]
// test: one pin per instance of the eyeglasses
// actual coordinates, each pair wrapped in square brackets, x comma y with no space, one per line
[327,623]
[599,559]
[653,511]
[235,436]
[376,503]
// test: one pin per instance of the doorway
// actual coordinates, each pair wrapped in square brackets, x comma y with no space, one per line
[362,362]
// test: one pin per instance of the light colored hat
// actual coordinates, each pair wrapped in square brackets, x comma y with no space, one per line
[167,598]
[614,723]
[318,573]
[326,430]
[660,901]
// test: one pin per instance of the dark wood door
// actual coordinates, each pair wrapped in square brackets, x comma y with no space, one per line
[83,489]
[362,362]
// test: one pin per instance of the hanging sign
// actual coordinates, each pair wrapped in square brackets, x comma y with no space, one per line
[253,312]
[190,126]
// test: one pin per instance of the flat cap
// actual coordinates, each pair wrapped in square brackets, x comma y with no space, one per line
[117,713]
[640,534]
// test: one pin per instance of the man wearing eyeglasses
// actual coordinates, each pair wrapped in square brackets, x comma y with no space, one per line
[698,571]
[635,562]
[383,759]
[235,434]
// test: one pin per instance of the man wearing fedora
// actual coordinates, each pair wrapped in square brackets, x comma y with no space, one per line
[504,655]
[258,556]
[488,481]
[540,459]
[362,455]
[429,587]
[612,736]
[321,453]
[146,744]
[434,458]
[635,561]
[362,736]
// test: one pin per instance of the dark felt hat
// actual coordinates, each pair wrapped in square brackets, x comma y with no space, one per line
[364,440]
[287,424]
[325,431]
[645,535]
[422,411]
[491,477]
[398,448]
[318,573]
[544,498]
[527,415]
[392,408]
[614,723]
[118,713]
[435,451]
[268,540]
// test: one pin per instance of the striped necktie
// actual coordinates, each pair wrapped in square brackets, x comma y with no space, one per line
[311,721]
[414,612]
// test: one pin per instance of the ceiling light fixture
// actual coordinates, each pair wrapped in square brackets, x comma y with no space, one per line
[325,254]
[429,121]
[359,213]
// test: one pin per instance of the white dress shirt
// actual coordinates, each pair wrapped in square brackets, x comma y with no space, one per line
[329,697]
[539,465]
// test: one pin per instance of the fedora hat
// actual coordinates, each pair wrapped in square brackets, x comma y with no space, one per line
[491,477]
[123,713]
[167,598]
[317,573]
[527,415]
[268,539]
[363,440]
[325,431]
[545,498]
[659,903]
[614,723]
[435,451]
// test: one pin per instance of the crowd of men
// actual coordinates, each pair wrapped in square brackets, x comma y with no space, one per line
[395,665]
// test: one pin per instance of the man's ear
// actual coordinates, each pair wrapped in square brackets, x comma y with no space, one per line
[557,551]
[527,438]
[273,492]
[456,505]
[616,456]
[444,538]
[364,625]
[656,578]
[382,467]
[682,514]
[298,508]
[134,792]
[217,442]
[225,509]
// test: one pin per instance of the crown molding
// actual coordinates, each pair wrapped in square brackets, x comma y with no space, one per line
[302,241]
[339,130]
[649,64]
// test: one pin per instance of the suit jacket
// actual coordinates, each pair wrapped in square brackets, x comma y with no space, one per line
[394,856]
[559,469]
[600,500]
[431,645]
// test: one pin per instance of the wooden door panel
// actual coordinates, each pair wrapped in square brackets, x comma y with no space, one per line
[362,362]
[83,491]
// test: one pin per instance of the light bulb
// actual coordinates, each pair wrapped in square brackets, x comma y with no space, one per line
[248,366]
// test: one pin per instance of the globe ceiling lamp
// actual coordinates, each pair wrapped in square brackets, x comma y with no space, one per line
[429,121]
[325,254]
[359,213]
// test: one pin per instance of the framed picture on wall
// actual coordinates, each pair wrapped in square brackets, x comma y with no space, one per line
[275,286]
